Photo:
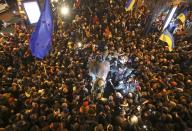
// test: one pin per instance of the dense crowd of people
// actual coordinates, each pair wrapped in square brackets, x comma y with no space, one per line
[55,93]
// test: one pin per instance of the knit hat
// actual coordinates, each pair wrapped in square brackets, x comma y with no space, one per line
[173,83]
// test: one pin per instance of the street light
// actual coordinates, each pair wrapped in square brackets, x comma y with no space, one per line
[64,10]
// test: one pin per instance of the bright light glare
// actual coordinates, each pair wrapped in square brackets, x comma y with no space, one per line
[79,44]
[144,126]
[33,11]
[64,10]
[169,17]
[54,0]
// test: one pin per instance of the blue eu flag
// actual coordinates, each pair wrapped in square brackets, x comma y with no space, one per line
[41,38]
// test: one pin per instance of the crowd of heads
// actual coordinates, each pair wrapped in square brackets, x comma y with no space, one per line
[55,93]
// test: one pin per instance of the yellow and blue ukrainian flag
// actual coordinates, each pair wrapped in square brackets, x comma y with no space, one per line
[129,5]
[168,38]
[182,16]
[139,3]
[171,27]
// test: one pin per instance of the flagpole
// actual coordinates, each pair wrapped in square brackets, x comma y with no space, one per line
[45,70]
[89,10]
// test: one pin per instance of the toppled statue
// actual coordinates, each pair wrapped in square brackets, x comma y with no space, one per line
[111,71]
